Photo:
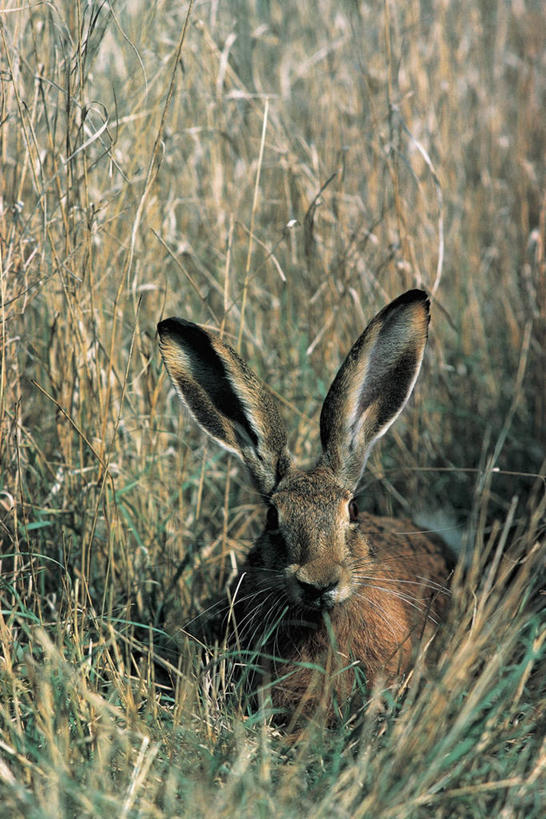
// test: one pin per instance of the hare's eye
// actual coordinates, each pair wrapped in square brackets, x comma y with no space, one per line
[272,520]
[353,511]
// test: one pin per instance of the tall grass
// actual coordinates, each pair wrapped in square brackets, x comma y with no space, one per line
[276,171]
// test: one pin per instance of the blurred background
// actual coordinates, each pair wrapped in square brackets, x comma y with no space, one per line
[277,172]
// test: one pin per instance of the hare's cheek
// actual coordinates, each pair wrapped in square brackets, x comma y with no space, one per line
[361,549]
[271,551]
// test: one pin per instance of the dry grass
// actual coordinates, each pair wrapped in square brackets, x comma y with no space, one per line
[150,169]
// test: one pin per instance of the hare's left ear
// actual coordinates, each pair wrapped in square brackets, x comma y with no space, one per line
[373,384]
[226,399]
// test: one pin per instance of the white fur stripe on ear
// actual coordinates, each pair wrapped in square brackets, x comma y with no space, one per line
[373,384]
[226,398]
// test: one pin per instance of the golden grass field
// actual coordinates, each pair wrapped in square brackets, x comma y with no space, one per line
[278,171]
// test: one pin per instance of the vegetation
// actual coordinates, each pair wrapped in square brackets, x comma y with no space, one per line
[277,171]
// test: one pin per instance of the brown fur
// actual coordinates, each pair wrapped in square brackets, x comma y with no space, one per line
[321,587]
[396,594]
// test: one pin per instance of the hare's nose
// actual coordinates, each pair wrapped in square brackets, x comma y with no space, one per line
[317,595]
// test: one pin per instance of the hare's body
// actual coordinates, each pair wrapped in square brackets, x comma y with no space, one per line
[323,585]
[384,594]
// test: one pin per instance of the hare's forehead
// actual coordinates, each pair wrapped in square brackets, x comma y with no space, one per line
[315,490]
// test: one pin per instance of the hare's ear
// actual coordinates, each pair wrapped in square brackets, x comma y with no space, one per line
[226,398]
[373,384]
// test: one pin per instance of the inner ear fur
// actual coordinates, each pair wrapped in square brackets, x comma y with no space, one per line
[373,384]
[226,398]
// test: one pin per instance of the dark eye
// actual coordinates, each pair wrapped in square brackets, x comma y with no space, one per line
[272,519]
[353,511]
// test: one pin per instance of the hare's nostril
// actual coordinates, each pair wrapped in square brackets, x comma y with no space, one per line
[309,590]
[317,595]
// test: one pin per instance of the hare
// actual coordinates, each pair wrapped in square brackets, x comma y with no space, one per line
[323,586]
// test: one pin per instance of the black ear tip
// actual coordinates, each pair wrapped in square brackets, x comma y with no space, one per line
[174,327]
[167,326]
[411,297]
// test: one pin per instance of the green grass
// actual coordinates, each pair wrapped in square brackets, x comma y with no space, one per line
[149,171]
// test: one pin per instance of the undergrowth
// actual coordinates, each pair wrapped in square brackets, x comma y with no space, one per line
[278,172]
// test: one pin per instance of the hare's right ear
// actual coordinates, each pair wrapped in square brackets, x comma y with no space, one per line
[373,384]
[227,399]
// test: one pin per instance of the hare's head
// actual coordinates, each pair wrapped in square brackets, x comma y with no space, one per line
[312,534]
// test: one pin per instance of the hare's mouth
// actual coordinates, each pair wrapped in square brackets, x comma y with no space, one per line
[314,597]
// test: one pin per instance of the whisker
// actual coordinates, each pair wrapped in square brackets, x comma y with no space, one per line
[242,624]
[433,585]
[263,622]
[413,602]
[265,629]
[209,609]
[378,608]
[400,592]
[393,591]
[421,581]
